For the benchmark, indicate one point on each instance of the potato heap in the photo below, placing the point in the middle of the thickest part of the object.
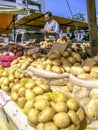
(46, 43)
(56, 62)
(55, 111)
(27, 89)
(24, 61)
(10, 77)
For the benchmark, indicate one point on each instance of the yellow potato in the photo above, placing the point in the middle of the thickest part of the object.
(32, 116)
(21, 101)
(76, 70)
(41, 104)
(56, 69)
(80, 113)
(50, 126)
(38, 90)
(59, 106)
(72, 104)
(40, 126)
(61, 120)
(46, 115)
(28, 105)
(70, 127)
(74, 117)
(29, 94)
(14, 96)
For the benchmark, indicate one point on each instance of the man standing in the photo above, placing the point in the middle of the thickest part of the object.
(51, 27)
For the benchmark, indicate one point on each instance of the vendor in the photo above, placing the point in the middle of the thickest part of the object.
(51, 27)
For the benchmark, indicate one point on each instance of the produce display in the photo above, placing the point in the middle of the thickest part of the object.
(71, 100)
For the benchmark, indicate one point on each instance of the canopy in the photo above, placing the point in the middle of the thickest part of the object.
(36, 21)
(7, 19)
(6, 23)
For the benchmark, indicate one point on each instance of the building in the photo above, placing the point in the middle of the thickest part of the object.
(33, 5)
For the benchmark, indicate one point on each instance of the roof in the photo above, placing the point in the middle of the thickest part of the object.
(36, 21)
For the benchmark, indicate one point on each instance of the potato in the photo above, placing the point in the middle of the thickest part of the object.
(50, 126)
(6, 81)
(11, 77)
(57, 62)
(45, 87)
(21, 101)
(41, 104)
(44, 97)
(71, 60)
(94, 93)
(48, 67)
(21, 91)
(93, 75)
(76, 70)
(66, 54)
(86, 69)
(72, 104)
(74, 117)
(38, 90)
(49, 62)
(17, 87)
(94, 69)
(46, 115)
(28, 105)
(56, 69)
(30, 84)
(59, 96)
(32, 116)
(17, 74)
(59, 106)
(14, 96)
(80, 113)
(84, 76)
(66, 68)
(29, 94)
(70, 127)
(92, 109)
(23, 66)
(76, 56)
(61, 120)
(40, 126)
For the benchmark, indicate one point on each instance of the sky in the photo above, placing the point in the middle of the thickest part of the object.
(68, 8)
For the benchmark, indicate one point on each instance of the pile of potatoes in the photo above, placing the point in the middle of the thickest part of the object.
(55, 111)
(10, 77)
(42, 106)
(46, 43)
(56, 62)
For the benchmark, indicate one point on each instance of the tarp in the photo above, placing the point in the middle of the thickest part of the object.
(7, 19)
(6, 23)
(36, 21)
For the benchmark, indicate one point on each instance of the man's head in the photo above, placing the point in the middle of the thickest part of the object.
(48, 16)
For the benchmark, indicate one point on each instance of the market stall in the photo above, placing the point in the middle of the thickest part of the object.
(36, 21)
(48, 86)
